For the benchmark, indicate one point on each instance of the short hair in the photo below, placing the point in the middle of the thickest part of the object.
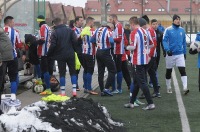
(113, 16)
(89, 19)
(153, 20)
(134, 20)
(57, 21)
(8, 19)
(71, 23)
(77, 18)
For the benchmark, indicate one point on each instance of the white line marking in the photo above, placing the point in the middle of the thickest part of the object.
(181, 107)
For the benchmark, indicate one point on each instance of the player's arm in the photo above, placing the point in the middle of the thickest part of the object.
(41, 41)
(133, 43)
(119, 34)
(166, 41)
(53, 43)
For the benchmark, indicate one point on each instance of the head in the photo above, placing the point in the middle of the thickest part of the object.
(57, 21)
(111, 26)
(71, 23)
(176, 20)
(90, 22)
(113, 19)
(142, 23)
(154, 24)
(159, 22)
(146, 18)
(133, 21)
(79, 21)
(127, 26)
(40, 18)
(9, 21)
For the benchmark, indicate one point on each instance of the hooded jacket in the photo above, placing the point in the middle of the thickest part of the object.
(6, 50)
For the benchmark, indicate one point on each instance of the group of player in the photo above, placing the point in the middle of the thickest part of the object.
(111, 45)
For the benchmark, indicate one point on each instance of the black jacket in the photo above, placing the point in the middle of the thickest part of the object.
(62, 43)
(31, 42)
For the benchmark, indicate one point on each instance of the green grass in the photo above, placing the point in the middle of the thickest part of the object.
(191, 101)
(165, 118)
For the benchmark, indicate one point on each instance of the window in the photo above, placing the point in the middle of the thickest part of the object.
(187, 9)
(175, 9)
(94, 10)
(161, 9)
(147, 10)
(120, 9)
(134, 10)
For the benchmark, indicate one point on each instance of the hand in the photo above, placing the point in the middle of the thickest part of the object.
(185, 56)
(169, 53)
(41, 42)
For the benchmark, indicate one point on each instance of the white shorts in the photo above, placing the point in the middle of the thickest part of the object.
(175, 60)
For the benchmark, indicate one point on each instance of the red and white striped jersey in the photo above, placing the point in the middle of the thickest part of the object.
(77, 31)
(88, 47)
(119, 39)
(141, 43)
(14, 37)
(152, 34)
(102, 36)
(44, 34)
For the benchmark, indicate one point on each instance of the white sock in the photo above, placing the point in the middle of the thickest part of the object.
(62, 89)
(184, 82)
(168, 83)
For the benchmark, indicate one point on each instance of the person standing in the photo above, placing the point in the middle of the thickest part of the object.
(160, 27)
(78, 46)
(61, 49)
(42, 49)
(7, 60)
(104, 41)
(174, 42)
(88, 55)
(16, 43)
(140, 44)
(118, 51)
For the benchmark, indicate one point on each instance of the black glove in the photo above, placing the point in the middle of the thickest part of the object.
(169, 53)
(41, 42)
(185, 56)
(193, 52)
(164, 54)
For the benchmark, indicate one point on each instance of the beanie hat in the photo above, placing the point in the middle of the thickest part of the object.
(146, 18)
(142, 22)
(40, 18)
(175, 17)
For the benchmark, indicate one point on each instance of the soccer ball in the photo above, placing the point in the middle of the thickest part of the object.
(28, 85)
(195, 46)
(38, 88)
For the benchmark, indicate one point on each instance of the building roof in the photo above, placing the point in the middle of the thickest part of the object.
(133, 7)
(57, 10)
(78, 11)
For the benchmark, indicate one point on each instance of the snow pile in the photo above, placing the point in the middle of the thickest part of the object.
(74, 115)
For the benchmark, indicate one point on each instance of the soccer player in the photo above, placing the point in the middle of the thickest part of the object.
(140, 44)
(88, 55)
(174, 42)
(118, 51)
(78, 46)
(42, 49)
(103, 39)
(61, 49)
(16, 43)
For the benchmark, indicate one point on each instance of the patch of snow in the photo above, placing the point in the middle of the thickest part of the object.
(71, 108)
(98, 127)
(77, 123)
(25, 120)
